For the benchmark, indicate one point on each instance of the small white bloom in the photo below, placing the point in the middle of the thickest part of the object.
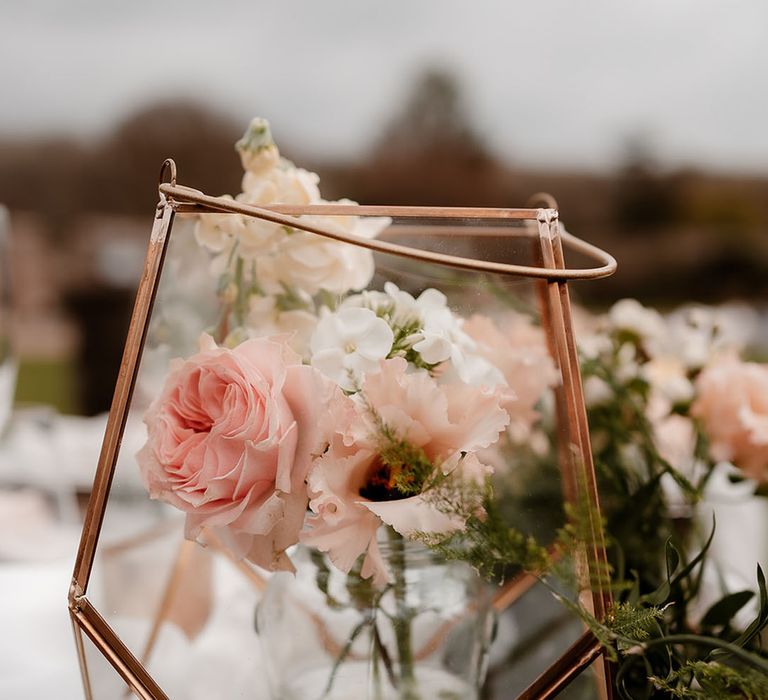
(219, 232)
(675, 439)
(594, 345)
(627, 366)
(257, 149)
(597, 391)
(631, 315)
(267, 319)
(667, 376)
(477, 370)
(348, 343)
(440, 336)
(697, 334)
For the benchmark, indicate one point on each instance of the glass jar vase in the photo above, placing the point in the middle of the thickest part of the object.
(327, 635)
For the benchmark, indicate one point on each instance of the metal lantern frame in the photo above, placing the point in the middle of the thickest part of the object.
(551, 276)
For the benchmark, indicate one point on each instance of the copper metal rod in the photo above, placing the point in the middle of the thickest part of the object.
(588, 466)
(581, 463)
(78, 632)
(560, 674)
(126, 380)
(181, 194)
(568, 485)
(115, 651)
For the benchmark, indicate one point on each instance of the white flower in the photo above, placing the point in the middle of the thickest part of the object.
(697, 334)
(441, 334)
(397, 306)
(310, 262)
(627, 365)
(667, 376)
(257, 149)
(284, 184)
(597, 392)
(219, 232)
(258, 238)
(267, 319)
(427, 326)
(348, 343)
(631, 315)
(675, 439)
(594, 345)
(285, 256)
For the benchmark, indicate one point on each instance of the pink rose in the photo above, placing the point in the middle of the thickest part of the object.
(349, 496)
(519, 350)
(231, 439)
(732, 403)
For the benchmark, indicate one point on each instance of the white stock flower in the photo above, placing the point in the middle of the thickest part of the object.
(284, 184)
(627, 365)
(630, 315)
(288, 256)
(441, 334)
(697, 334)
(597, 392)
(309, 262)
(219, 232)
(427, 326)
(348, 343)
(267, 319)
(594, 345)
(257, 149)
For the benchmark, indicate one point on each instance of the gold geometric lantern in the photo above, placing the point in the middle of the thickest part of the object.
(494, 250)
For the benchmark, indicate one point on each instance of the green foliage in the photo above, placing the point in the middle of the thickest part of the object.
(490, 547)
(626, 620)
(52, 382)
(713, 680)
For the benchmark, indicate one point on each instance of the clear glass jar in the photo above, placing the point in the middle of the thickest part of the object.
(327, 635)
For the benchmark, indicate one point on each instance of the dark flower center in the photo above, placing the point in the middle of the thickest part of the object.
(385, 482)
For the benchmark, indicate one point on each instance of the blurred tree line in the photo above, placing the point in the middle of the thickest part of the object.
(679, 235)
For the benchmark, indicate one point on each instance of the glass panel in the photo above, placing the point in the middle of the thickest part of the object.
(188, 612)
(586, 686)
(104, 680)
(532, 635)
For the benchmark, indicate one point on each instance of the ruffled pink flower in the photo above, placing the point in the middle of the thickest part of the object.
(231, 439)
(447, 422)
(732, 403)
(518, 349)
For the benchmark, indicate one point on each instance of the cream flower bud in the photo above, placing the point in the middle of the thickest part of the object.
(257, 150)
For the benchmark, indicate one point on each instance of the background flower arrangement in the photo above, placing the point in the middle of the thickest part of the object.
(678, 422)
(320, 411)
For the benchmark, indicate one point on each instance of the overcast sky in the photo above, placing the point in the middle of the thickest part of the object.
(555, 81)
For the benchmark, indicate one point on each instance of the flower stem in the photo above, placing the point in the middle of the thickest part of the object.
(402, 619)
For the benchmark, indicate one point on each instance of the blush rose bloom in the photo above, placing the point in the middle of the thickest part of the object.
(732, 403)
(447, 422)
(231, 439)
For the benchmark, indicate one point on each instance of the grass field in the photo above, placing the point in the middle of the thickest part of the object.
(52, 382)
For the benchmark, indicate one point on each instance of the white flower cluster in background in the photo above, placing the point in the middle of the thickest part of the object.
(671, 366)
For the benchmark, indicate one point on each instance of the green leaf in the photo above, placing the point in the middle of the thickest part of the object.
(698, 558)
(722, 612)
(634, 594)
(761, 621)
(673, 559)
